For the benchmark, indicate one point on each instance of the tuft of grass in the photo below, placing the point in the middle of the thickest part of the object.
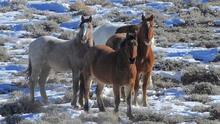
(215, 111)
(198, 98)
(67, 35)
(59, 18)
(171, 65)
(108, 117)
(22, 105)
(200, 108)
(4, 56)
(78, 5)
(201, 74)
(87, 11)
(104, 3)
(162, 82)
(42, 28)
(205, 88)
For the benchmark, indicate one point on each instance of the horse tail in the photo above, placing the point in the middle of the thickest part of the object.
(29, 69)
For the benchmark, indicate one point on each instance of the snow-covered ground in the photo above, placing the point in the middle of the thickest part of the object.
(18, 50)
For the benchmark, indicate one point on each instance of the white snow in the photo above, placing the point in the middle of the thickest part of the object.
(171, 102)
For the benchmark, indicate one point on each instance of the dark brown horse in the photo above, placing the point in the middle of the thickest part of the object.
(111, 67)
(145, 57)
(47, 52)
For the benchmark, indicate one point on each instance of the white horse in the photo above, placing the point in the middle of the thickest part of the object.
(47, 52)
(103, 32)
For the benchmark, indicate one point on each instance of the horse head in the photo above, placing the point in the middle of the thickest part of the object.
(146, 29)
(130, 45)
(86, 30)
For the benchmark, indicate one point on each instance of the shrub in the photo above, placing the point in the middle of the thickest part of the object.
(107, 117)
(78, 5)
(162, 82)
(5, 27)
(67, 35)
(116, 16)
(4, 39)
(201, 74)
(4, 56)
(200, 108)
(205, 88)
(42, 28)
(59, 18)
(143, 115)
(104, 3)
(215, 111)
(13, 119)
(22, 105)
(199, 98)
(87, 11)
(171, 65)
(56, 117)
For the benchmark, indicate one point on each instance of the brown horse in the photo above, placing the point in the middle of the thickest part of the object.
(47, 52)
(145, 57)
(111, 67)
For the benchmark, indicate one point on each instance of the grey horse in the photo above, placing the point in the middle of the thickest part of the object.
(47, 52)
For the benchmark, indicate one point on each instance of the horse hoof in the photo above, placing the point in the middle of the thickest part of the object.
(135, 103)
(86, 108)
(102, 110)
(145, 104)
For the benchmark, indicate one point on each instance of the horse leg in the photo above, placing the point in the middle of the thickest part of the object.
(87, 81)
(136, 88)
(99, 90)
(32, 82)
(116, 89)
(75, 75)
(81, 90)
(128, 91)
(146, 79)
(42, 81)
(123, 94)
(150, 84)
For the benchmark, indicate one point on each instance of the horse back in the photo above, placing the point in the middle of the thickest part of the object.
(126, 28)
(115, 40)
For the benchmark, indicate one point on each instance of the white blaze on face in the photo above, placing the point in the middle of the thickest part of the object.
(84, 31)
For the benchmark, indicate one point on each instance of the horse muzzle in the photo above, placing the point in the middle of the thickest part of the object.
(132, 60)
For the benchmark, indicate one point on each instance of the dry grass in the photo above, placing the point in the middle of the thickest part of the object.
(200, 108)
(104, 3)
(42, 28)
(14, 5)
(4, 56)
(162, 82)
(5, 27)
(171, 65)
(215, 111)
(201, 74)
(59, 18)
(205, 88)
(82, 8)
(22, 105)
(198, 98)
(116, 16)
(67, 35)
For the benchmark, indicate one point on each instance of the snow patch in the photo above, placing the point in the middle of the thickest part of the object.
(51, 6)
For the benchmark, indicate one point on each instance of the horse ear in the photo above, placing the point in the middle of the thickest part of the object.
(143, 17)
(151, 18)
(82, 18)
(90, 18)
